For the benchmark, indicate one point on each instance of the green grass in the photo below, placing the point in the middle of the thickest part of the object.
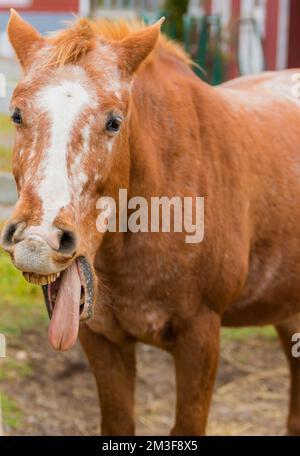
(5, 159)
(242, 334)
(6, 126)
(21, 308)
(12, 415)
(6, 132)
(21, 304)
(11, 369)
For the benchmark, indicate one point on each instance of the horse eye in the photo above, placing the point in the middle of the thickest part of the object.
(113, 125)
(17, 116)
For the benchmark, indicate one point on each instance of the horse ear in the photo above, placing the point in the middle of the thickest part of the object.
(135, 48)
(23, 37)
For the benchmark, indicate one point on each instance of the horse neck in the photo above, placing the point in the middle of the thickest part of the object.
(170, 129)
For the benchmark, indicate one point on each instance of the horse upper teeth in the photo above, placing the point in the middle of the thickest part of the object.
(40, 280)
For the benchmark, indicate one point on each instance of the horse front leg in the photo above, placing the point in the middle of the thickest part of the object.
(196, 356)
(114, 368)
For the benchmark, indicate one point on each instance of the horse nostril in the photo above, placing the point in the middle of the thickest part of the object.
(67, 243)
(8, 235)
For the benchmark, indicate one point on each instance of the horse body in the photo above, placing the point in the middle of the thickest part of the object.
(271, 290)
(236, 145)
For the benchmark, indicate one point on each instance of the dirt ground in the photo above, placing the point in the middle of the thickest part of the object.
(59, 396)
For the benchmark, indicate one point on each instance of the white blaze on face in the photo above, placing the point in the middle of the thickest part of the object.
(63, 103)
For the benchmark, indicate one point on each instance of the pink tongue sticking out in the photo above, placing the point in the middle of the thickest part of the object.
(64, 325)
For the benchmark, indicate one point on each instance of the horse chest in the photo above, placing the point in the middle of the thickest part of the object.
(143, 308)
(144, 320)
(138, 302)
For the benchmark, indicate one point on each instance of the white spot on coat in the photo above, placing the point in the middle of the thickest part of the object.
(110, 144)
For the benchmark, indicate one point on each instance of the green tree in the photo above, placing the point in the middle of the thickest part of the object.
(177, 8)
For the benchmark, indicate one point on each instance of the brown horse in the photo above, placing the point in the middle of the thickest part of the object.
(108, 106)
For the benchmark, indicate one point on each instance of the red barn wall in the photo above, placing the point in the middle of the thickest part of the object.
(294, 35)
(57, 6)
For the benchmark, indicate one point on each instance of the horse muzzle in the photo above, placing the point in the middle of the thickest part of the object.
(66, 277)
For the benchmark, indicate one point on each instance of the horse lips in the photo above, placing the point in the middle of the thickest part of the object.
(64, 325)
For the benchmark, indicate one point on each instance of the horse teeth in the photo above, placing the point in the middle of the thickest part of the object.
(44, 281)
(28, 277)
(51, 278)
(40, 280)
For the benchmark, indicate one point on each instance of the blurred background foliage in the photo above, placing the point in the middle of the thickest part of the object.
(177, 9)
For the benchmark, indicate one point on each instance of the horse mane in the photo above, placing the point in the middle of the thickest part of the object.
(69, 46)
